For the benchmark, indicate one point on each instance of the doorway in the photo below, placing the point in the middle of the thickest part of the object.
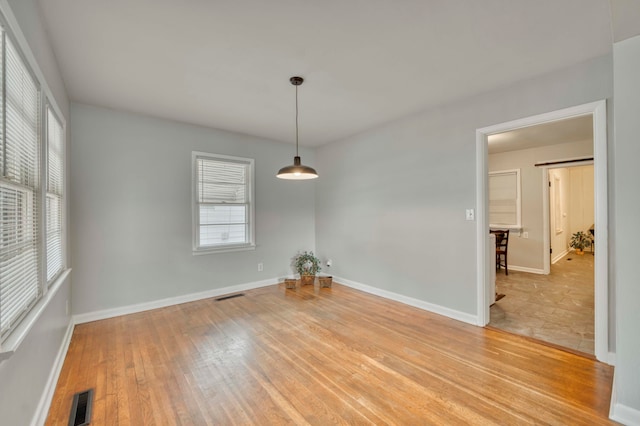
(597, 111)
(555, 306)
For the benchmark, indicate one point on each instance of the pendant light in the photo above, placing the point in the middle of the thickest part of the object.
(297, 171)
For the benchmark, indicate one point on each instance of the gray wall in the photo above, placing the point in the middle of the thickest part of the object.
(528, 253)
(627, 205)
(131, 210)
(24, 376)
(390, 207)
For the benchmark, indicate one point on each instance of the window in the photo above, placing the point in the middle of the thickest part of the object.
(223, 203)
(31, 189)
(504, 199)
(55, 185)
(20, 280)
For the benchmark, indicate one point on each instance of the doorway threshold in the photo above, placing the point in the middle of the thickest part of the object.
(543, 342)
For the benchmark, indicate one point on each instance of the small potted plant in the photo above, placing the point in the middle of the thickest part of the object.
(307, 265)
(579, 241)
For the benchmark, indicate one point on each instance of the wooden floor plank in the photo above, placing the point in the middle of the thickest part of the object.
(321, 356)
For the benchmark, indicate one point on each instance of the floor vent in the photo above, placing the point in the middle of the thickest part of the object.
(229, 297)
(81, 408)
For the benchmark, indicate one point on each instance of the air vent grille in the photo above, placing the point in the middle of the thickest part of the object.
(229, 297)
(81, 408)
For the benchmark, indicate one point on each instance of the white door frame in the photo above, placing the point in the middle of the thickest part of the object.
(599, 112)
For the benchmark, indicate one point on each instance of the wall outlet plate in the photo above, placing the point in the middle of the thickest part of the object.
(470, 214)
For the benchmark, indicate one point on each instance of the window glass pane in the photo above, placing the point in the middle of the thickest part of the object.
(221, 214)
(222, 234)
(219, 193)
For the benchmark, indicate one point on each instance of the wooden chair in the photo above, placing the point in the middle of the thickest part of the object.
(502, 245)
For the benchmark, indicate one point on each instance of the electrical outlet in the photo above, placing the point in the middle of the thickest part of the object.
(525, 235)
(260, 267)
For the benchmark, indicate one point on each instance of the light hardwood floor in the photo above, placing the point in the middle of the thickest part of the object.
(321, 356)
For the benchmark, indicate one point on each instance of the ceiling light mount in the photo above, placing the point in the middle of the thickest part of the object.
(297, 171)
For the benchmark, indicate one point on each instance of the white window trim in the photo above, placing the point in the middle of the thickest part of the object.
(518, 225)
(195, 219)
(9, 345)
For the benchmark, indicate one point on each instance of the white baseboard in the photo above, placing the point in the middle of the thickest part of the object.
(155, 304)
(525, 269)
(42, 410)
(621, 413)
(436, 309)
(559, 256)
(625, 415)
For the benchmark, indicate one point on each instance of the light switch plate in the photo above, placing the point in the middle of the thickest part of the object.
(471, 214)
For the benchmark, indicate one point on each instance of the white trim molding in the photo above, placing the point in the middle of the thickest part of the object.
(17, 336)
(155, 304)
(42, 410)
(526, 269)
(417, 303)
(598, 110)
(620, 412)
(558, 257)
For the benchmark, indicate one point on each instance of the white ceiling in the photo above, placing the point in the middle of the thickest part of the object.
(575, 129)
(226, 63)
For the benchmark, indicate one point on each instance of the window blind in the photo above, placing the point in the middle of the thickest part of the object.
(55, 185)
(19, 233)
(223, 201)
(504, 198)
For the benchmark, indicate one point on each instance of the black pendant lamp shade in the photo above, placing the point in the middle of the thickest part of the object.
(297, 171)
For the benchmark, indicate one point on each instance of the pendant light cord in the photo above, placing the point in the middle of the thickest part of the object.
(296, 121)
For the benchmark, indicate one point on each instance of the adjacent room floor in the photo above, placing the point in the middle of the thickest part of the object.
(557, 308)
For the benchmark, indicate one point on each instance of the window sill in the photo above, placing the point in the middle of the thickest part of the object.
(225, 249)
(9, 346)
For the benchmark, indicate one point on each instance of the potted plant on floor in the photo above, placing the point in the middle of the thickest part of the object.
(307, 265)
(579, 241)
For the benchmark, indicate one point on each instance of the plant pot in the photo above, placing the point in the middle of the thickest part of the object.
(290, 282)
(579, 251)
(325, 281)
(307, 280)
